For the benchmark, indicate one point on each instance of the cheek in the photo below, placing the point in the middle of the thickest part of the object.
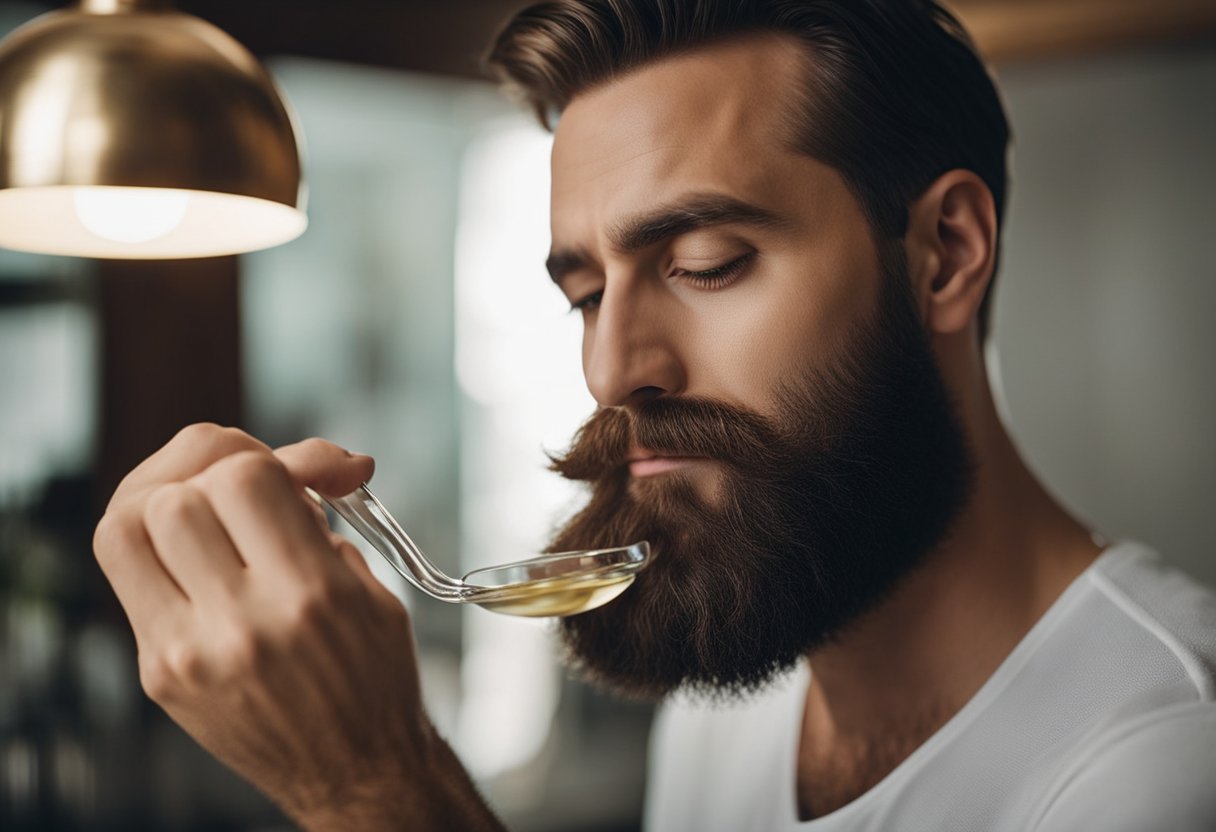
(743, 345)
(751, 340)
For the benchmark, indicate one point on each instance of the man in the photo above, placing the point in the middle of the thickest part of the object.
(780, 223)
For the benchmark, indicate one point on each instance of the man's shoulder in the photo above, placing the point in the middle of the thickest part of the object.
(1166, 604)
(1152, 772)
(1147, 761)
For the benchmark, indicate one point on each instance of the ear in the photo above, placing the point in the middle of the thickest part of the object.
(951, 246)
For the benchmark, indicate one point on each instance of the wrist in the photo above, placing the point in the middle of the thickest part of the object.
(436, 793)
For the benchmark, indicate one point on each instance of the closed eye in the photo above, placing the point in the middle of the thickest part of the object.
(588, 302)
(714, 278)
(718, 276)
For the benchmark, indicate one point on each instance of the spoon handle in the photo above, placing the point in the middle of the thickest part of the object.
(372, 521)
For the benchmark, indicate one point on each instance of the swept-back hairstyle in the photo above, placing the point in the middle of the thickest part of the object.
(894, 96)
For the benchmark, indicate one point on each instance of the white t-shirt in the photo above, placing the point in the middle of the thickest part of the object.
(1102, 718)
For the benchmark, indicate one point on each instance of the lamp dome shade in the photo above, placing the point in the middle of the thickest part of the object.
(133, 131)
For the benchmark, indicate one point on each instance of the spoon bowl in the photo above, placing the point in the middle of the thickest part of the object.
(556, 585)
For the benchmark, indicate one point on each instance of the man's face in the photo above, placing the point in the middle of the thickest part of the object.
(772, 418)
(713, 124)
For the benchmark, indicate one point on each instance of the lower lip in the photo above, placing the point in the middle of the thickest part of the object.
(658, 465)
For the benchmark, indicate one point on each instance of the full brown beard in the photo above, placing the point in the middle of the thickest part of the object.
(822, 510)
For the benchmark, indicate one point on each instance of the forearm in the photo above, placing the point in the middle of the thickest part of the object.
(445, 799)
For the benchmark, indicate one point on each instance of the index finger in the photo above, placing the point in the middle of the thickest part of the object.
(325, 467)
(191, 451)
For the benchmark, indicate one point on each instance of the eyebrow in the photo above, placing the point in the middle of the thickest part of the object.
(689, 214)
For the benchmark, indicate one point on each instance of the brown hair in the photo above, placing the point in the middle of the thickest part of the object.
(897, 95)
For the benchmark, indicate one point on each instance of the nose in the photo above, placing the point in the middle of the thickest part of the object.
(630, 350)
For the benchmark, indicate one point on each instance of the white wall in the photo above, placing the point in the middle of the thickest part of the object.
(1106, 301)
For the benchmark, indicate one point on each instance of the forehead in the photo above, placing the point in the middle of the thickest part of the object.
(715, 119)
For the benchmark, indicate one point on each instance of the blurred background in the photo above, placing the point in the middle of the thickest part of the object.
(414, 321)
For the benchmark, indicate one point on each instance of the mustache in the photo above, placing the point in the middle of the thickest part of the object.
(670, 426)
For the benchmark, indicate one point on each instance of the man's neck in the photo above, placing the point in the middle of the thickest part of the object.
(901, 671)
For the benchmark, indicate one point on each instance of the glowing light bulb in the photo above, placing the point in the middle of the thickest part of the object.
(130, 215)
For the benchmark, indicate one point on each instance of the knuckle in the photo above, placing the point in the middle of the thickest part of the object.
(317, 445)
(249, 470)
(185, 664)
(115, 534)
(198, 433)
(232, 655)
(215, 440)
(104, 535)
(173, 503)
(155, 677)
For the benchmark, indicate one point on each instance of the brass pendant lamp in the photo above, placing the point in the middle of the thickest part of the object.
(130, 130)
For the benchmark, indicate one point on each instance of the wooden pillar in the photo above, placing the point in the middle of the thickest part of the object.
(170, 355)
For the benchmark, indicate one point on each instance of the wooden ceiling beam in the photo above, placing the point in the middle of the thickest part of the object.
(448, 37)
(1009, 31)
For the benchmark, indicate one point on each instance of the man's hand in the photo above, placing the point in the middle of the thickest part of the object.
(266, 637)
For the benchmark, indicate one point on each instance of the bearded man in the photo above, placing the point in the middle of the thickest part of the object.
(780, 223)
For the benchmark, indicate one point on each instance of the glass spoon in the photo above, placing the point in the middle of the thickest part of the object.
(551, 585)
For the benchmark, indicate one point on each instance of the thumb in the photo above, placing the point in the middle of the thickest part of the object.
(325, 467)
